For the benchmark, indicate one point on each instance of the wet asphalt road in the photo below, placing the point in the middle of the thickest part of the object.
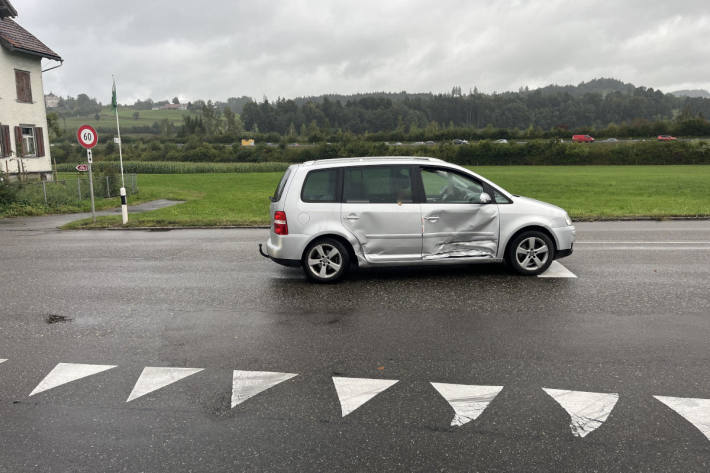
(636, 322)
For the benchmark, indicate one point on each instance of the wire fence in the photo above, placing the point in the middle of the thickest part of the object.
(74, 190)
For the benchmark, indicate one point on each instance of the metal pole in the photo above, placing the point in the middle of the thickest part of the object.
(44, 189)
(124, 203)
(120, 151)
(108, 188)
(91, 185)
(78, 186)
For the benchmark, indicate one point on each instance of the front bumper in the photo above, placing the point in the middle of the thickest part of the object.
(565, 237)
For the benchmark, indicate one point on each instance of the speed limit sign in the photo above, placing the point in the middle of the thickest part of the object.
(87, 136)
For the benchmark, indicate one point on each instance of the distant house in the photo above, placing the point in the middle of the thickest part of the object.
(172, 106)
(24, 141)
(51, 101)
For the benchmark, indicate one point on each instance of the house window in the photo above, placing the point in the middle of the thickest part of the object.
(28, 142)
(24, 87)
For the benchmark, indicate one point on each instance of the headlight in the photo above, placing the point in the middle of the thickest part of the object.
(568, 220)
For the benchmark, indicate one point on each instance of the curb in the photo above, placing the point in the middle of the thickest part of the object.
(167, 229)
(638, 219)
(246, 227)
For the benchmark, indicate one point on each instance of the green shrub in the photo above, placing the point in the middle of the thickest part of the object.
(8, 192)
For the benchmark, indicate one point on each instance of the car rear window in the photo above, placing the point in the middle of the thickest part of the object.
(282, 184)
(377, 184)
(320, 186)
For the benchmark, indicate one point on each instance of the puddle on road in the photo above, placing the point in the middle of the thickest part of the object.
(57, 319)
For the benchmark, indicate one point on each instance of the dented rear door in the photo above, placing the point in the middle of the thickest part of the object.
(455, 222)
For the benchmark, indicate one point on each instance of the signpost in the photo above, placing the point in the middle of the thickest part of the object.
(88, 138)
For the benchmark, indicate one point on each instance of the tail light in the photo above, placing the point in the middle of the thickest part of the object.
(280, 224)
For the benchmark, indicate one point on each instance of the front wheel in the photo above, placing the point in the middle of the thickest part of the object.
(530, 253)
(326, 260)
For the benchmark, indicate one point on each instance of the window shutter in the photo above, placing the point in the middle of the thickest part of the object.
(4, 141)
(39, 140)
(28, 87)
(20, 85)
(24, 88)
(19, 146)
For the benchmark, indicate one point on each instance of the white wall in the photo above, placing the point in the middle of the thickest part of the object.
(14, 113)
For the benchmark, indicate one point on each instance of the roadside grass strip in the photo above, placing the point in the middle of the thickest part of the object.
(241, 198)
(588, 411)
(556, 270)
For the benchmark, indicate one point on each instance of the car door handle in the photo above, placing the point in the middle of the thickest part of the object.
(352, 217)
(432, 218)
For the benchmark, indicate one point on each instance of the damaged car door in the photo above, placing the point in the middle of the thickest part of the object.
(459, 218)
(379, 209)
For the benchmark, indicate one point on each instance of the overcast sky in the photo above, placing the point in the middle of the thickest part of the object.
(215, 49)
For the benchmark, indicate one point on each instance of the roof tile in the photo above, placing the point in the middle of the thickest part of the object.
(13, 36)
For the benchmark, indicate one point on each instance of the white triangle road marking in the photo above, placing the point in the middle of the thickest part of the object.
(354, 392)
(153, 378)
(556, 270)
(3, 360)
(588, 411)
(468, 401)
(694, 410)
(66, 372)
(246, 384)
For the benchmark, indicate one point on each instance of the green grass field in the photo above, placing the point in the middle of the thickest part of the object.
(125, 115)
(586, 192)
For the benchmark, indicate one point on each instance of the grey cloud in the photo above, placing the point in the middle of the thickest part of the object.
(223, 48)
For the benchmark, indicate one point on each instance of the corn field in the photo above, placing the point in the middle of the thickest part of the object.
(166, 167)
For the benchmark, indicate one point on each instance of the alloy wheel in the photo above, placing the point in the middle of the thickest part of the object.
(324, 260)
(532, 253)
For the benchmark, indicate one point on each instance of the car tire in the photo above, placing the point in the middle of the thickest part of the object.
(530, 253)
(326, 260)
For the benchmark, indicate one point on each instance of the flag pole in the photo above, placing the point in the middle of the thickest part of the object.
(124, 203)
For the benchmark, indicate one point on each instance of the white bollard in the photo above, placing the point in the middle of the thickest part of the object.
(124, 206)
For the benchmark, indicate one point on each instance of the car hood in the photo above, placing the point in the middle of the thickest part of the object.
(539, 205)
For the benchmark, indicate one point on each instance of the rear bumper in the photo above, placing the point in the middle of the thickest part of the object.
(281, 261)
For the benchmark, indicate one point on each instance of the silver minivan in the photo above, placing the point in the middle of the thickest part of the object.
(331, 215)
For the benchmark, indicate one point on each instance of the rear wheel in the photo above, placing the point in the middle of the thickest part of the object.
(530, 253)
(326, 260)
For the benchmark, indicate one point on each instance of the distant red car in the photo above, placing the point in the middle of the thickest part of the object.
(582, 139)
(666, 138)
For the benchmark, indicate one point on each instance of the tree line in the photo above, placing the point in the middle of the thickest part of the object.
(592, 105)
(602, 107)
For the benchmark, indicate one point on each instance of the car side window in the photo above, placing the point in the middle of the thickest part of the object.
(500, 198)
(320, 186)
(282, 184)
(442, 186)
(377, 185)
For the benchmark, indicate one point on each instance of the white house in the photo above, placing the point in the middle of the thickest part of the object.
(24, 141)
(51, 100)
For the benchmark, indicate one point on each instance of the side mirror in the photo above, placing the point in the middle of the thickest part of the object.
(485, 198)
